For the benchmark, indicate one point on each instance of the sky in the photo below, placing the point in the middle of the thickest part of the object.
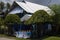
(41, 2)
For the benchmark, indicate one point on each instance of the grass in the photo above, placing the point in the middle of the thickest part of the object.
(6, 36)
(52, 38)
(48, 38)
(21, 39)
(25, 39)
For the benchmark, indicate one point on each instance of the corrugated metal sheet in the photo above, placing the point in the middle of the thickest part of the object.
(32, 7)
(26, 17)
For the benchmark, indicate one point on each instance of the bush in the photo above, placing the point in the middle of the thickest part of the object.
(12, 18)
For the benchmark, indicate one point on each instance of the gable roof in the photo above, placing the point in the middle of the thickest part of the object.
(32, 7)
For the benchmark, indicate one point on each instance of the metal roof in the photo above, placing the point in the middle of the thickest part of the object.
(32, 7)
(26, 17)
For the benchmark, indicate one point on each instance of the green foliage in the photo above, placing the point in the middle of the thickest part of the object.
(12, 18)
(57, 18)
(22, 39)
(56, 9)
(39, 16)
(8, 6)
(2, 5)
(52, 38)
(1, 21)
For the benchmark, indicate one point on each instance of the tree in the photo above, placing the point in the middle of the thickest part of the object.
(2, 5)
(1, 21)
(39, 17)
(2, 27)
(37, 20)
(7, 9)
(56, 9)
(8, 6)
(10, 20)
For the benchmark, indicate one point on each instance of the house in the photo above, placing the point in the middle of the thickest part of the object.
(25, 10)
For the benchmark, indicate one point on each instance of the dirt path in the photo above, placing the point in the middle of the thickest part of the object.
(3, 38)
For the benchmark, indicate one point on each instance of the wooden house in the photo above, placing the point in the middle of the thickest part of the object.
(25, 10)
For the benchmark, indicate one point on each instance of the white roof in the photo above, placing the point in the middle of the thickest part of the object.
(32, 7)
(26, 17)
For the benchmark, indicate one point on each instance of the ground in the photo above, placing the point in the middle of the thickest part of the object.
(52, 38)
(47, 38)
(4, 38)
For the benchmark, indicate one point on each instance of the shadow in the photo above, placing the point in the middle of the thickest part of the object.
(46, 36)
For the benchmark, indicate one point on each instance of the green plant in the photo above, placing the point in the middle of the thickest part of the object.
(12, 18)
(39, 16)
